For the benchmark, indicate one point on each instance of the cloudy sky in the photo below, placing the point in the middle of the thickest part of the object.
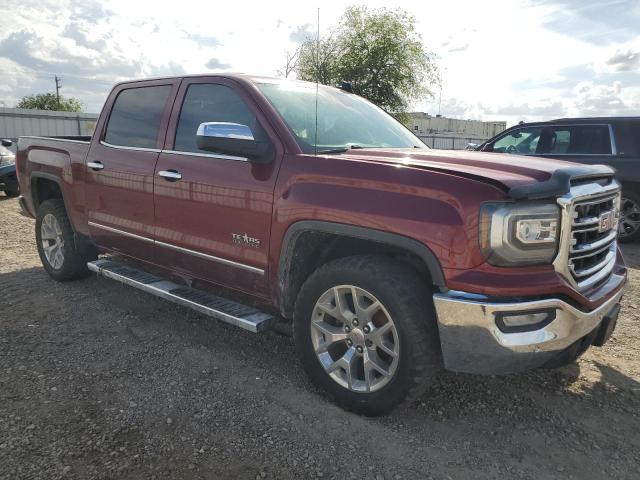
(501, 60)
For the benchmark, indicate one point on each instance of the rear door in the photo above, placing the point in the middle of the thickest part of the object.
(121, 164)
(213, 211)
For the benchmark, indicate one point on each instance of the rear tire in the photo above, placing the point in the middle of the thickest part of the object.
(56, 245)
(362, 369)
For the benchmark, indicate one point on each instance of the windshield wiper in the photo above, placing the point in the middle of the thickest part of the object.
(341, 149)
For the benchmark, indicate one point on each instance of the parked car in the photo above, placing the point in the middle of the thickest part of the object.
(613, 141)
(391, 260)
(8, 179)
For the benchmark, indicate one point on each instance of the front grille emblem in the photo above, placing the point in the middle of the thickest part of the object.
(607, 220)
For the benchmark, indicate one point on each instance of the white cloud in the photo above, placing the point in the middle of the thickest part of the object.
(216, 64)
(624, 61)
(500, 60)
(602, 100)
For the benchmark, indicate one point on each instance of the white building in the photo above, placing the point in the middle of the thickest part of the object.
(452, 133)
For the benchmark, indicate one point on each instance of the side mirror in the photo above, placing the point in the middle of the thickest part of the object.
(233, 139)
(6, 142)
(472, 146)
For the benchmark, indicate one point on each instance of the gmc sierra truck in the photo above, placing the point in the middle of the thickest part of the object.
(391, 260)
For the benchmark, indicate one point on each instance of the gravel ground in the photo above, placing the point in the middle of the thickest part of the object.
(100, 381)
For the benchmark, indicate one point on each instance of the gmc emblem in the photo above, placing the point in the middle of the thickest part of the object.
(607, 221)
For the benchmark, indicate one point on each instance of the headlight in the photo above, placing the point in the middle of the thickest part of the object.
(7, 160)
(522, 233)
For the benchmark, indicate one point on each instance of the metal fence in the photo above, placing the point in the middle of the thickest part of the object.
(16, 122)
(449, 143)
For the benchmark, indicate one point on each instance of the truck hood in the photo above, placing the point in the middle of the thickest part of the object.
(509, 170)
(521, 176)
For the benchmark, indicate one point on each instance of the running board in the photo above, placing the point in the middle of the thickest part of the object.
(242, 316)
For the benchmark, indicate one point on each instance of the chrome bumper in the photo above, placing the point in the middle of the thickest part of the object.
(472, 342)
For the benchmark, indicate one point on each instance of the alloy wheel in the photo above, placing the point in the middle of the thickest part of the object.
(52, 241)
(629, 218)
(355, 338)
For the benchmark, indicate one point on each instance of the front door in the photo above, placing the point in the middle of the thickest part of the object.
(213, 211)
(121, 164)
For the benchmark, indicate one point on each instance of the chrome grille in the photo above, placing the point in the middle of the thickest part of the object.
(592, 248)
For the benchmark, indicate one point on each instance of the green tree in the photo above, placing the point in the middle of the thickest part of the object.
(49, 101)
(319, 60)
(379, 52)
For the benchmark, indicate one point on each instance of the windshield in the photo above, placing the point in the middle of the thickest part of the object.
(345, 120)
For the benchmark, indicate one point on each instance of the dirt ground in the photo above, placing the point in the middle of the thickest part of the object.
(100, 381)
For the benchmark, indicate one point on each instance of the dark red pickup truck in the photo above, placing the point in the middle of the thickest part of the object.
(391, 260)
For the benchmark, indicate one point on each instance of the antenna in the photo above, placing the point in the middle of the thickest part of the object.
(315, 143)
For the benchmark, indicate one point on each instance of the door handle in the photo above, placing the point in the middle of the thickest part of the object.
(170, 175)
(97, 165)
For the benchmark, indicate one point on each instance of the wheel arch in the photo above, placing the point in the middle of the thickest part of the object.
(308, 244)
(45, 186)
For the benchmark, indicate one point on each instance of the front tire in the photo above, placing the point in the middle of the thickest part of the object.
(366, 333)
(56, 246)
(629, 226)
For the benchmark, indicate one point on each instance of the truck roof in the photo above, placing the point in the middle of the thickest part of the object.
(233, 75)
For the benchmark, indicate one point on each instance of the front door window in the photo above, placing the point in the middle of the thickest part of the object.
(523, 141)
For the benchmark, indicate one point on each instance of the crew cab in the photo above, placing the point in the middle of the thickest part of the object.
(612, 141)
(253, 199)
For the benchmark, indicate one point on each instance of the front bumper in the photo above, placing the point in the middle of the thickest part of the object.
(472, 342)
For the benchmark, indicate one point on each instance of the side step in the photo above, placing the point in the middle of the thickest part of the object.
(228, 311)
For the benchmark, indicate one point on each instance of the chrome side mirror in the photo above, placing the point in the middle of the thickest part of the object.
(233, 139)
(225, 130)
(472, 146)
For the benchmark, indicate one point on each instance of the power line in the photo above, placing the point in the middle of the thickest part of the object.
(44, 74)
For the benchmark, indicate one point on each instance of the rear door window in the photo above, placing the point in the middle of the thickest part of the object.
(576, 140)
(136, 115)
(628, 138)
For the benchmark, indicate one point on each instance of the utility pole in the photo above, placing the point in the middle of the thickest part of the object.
(58, 86)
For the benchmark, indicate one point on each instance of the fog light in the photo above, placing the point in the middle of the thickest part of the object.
(524, 321)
